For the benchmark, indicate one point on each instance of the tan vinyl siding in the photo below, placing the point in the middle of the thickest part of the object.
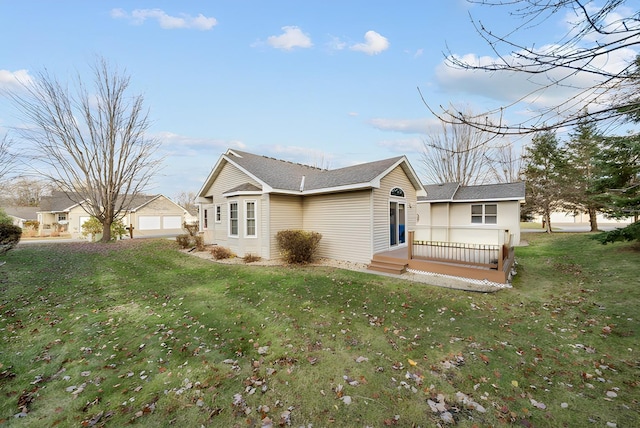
(344, 220)
(381, 198)
(285, 212)
(229, 177)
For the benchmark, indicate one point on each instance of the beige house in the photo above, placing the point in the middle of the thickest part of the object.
(150, 215)
(482, 214)
(376, 213)
(359, 210)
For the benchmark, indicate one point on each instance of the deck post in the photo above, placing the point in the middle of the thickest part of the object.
(501, 255)
(410, 249)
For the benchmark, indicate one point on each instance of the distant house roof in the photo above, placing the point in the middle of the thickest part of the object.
(275, 175)
(454, 192)
(57, 202)
(61, 202)
(23, 213)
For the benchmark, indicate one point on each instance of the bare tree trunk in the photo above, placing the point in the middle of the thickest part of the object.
(547, 220)
(593, 220)
(106, 230)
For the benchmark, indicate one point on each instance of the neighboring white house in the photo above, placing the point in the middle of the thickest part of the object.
(481, 214)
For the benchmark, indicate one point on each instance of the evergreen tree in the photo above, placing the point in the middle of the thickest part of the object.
(619, 183)
(545, 172)
(582, 171)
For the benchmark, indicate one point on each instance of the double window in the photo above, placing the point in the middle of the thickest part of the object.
(250, 219)
(484, 214)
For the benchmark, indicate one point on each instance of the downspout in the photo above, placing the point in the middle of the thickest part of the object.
(302, 184)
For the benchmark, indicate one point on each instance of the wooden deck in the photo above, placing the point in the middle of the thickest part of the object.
(397, 261)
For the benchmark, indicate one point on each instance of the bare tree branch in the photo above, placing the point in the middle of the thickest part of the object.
(91, 144)
(8, 159)
(594, 35)
(461, 154)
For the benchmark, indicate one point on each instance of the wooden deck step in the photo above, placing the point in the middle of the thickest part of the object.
(394, 267)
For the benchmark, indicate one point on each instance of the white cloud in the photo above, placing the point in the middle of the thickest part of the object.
(293, 37)
(167, 22)
(406, 126)
(303, 155)
(373, 44)
(335, 44)
(182, 145)
(12, 80)
(403, 146)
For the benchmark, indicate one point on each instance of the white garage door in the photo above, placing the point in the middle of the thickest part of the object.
(149, 222)
(172, 222)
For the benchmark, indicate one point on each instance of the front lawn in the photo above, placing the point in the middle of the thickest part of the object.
(139, 333)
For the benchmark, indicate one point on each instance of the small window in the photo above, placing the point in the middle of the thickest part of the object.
(205, 219)
(233, 219)
(484, 214)
(218, 213)
(491, 214)
(250, 216)
(62, 217)
(396, 191)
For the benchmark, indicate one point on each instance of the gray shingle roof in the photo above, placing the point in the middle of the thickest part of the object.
(24, 213)
(484, 192)
(57, 202)
(287, 176)
(61, 202)
(439, 192)
(246, 187)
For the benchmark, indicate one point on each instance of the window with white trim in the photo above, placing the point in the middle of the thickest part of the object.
(233, 219)
(205, 218)
(218, 213)
(484, 214)
(250, 218)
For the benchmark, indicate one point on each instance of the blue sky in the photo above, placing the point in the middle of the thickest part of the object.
(323, 82)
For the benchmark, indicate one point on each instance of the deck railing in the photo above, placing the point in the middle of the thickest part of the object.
(481, 255)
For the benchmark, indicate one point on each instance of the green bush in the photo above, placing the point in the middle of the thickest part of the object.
(629, 233)
(298, 246)
(94, 227)
(4, 217)
(9, 236)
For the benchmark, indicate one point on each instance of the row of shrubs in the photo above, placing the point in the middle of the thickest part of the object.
(295, 246)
